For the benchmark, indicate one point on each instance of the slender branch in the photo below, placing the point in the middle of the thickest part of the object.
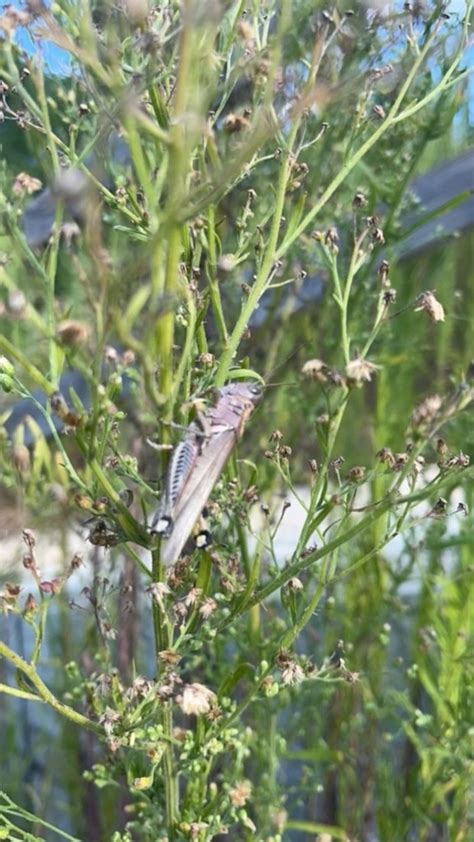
(44, 693)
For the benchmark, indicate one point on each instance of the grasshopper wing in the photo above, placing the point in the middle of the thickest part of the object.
(207, 470)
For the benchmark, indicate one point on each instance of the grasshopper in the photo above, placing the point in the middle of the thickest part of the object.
(197, 464)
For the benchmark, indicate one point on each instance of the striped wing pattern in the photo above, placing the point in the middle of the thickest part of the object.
(186, 500)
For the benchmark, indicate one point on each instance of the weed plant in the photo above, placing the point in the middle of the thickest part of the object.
(203, 163)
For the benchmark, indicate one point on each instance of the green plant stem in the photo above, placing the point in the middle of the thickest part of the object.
(44, 693)
(178, 165)
(11, 809)
(38, 378)
(263, 274)
(272, 252)
(170, 776)
(163, 641)
(20, 694)
(214, 291)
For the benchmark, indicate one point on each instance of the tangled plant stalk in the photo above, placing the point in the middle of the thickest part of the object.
(184, 160)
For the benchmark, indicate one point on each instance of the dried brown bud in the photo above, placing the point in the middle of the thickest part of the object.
(461, 460)
(30, 604)
(235, 123)
(21, 458)
(285, 451)
(383, 269)
(76, 562)
(331, 239)
(439, 509)
(29, 538)
(313, 466)
(53, 586)
(442, 448)
(378, 112)
(276, 436)
(389, 296)
(400, 460)
(377, 236)
(357, 473)
(73, 333)
(359, 200)
(168, 656)
(386, 456)
(58, 404)
(206, 359)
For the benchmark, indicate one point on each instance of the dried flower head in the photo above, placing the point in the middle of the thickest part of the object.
(234, 123)
(73, 333)
(207, 608)
(292, 674)
(357, 473)
(207, 360)
(386, 456)
(429, 303)
(240, 793)
(26, 184)
(159, 590)
(426, 411)
(389, 295)
(359, 370)
(196, 699)
(460, 460)
(315, 370)
(168, 656)
(192, 597)
(30, 605)
(359, 200)
(331, 239)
